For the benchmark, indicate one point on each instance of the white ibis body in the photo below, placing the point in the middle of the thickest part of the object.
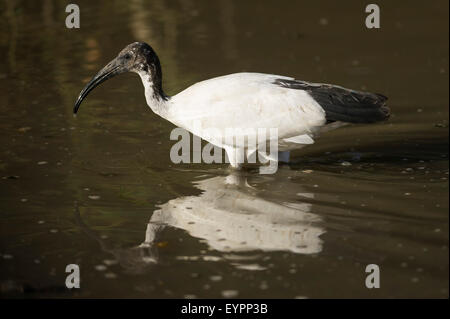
(245, 102)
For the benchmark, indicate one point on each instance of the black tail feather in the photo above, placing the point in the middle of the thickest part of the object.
(351, 106)
(341, 104)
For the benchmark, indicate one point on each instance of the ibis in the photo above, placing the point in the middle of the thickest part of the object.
(298, 110)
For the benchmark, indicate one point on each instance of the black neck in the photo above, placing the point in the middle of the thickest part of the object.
(153, 69)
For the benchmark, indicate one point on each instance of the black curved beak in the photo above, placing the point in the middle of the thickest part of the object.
(112, 69)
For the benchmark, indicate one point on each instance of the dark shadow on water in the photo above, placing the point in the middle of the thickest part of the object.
(391, 152)
(135, 259)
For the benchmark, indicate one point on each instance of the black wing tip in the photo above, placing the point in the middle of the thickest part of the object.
(382, 97)
(341, 104)
(381, 114)
(385, 112)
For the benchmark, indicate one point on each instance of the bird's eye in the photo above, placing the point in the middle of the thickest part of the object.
(127, 56)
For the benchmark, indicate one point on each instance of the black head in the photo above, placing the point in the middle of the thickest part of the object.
(137, 57)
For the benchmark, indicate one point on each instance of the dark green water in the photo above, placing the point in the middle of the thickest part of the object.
(100, 191)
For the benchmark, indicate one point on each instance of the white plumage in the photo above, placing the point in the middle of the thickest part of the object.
(246, 101)
(242, 101)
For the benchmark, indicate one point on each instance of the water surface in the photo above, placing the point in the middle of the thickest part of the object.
(100, 191)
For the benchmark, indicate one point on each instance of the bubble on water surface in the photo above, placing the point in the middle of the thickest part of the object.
(230, 293)
(100, 267)
(110, 275)
(263, 285)
(323, 21)
(211, 258)
(215, 278)
(110, 262)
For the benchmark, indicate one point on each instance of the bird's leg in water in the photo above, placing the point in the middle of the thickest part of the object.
(235, 157)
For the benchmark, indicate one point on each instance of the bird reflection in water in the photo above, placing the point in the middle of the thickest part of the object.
(231, 217)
